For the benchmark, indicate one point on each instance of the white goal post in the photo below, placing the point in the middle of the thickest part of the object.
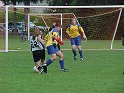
(42, 14)
(112, 6)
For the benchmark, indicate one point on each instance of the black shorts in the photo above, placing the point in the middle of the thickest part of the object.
(38, 55)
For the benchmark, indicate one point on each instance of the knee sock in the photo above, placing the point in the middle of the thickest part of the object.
(80, 53)
(49, 61)
(61, 62)
(74, 52)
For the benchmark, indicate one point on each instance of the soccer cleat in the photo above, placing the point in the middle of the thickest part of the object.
(35, 69)
(64, 70)
(41, 71)
(75, 58)
(81, 59)
(45, 68)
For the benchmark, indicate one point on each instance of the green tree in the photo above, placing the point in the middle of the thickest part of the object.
(7, 2)
(85, 2)
(27, 10)
(14, 15)
(59, 2)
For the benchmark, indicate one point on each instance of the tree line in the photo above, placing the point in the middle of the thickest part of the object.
(84, 2)
(57, 3)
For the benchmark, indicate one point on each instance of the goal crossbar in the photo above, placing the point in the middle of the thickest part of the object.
(49, 13)
(107, 6)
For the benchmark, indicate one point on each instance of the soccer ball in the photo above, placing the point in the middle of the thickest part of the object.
(35, 69)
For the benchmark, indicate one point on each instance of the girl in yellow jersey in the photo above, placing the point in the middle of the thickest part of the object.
(52, 39)
(73, 31)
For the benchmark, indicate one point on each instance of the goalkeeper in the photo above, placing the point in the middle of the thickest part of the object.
(73, 31)
(52, 39)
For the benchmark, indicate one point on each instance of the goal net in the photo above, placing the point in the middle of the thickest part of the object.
(103, 26)
(47, 20)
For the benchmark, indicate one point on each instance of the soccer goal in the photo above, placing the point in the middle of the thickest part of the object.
(103, 25)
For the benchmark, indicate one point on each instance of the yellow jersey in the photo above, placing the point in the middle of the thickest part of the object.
(49, 38)
(74, 30)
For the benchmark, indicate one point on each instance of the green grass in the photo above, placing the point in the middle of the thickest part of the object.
(91, 44)
(2, 42)
(15, 43)
(100, 72)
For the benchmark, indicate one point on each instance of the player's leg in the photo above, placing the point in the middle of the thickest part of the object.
(74, 51)
(73, 48)
(58, 46)
(43, 62)
(37, 58)
(25, 36)
(80, 52)
(37, 67)
(50, 60)
(61, 61)
(22, 36)
(51, 51)
(44, 65)
(78, 44)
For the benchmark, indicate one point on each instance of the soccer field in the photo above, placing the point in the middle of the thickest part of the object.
(100, 72)
(16, 44)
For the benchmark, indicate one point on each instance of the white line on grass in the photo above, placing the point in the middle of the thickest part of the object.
(66, 50)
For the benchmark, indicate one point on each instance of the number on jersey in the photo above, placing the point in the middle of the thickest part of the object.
(34, 44)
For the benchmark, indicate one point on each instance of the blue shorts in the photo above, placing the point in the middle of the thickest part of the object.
(52, 49)
(76, 41)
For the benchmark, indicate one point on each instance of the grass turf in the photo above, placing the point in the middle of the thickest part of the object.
(100, 72)
(16, 44)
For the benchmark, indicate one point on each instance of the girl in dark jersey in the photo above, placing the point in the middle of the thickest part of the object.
(38, 51)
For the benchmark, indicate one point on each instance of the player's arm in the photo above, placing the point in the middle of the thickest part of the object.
(82, 31)
(56, 37)
(84, 36)
(67, 31)
(41, 40)
(46, 37)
